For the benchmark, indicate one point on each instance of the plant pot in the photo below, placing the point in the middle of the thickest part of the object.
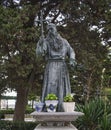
(51, 105)
(39, 106)
(69, 106)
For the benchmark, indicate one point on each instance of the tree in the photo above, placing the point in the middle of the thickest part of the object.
(89, 18)
(18, 42)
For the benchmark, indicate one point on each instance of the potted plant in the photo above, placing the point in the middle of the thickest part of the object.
(38, 105)
(69, 104)
(51, 101)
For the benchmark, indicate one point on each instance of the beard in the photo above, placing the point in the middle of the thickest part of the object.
(55, 42)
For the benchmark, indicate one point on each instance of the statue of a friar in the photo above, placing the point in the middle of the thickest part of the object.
(56, 76)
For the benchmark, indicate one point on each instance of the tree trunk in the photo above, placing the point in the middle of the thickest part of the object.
(0, 103)
(89, 86)
(21, 103)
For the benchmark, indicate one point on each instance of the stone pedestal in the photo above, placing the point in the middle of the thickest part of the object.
(71, 127)
(56, 120)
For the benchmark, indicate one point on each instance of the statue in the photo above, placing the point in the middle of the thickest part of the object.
(56, 76)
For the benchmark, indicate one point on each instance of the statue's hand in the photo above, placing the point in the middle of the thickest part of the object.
(73, 63)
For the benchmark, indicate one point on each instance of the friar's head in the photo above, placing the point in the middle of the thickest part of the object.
(52, 30)
(54, 38)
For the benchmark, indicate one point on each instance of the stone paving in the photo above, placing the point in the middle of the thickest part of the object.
(26, 119)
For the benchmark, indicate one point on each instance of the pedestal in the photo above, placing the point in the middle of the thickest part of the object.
(56, 120)
(71, 127)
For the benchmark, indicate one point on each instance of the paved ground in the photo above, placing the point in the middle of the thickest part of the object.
(26, 119)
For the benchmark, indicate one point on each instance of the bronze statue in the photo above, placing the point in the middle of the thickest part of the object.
(56, 76)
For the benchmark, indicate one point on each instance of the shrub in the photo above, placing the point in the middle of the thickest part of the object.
(2, 116)
(8, 111)
(94, 113)
(23, 126)
(11, 111)
(5, 125)
(8, 125)
(105, 122)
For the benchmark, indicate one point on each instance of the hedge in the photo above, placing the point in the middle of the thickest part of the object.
(11, 111)
(9, 125)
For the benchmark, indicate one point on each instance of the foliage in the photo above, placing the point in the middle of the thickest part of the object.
(8, 97)
(107, 92)
(8, 111)
(32, 96)
(90, 52)
(8, 125)
(68, 98)
(2, 116)
(51, 96)
(107, 71)
(95, 113)
(105, 123)
(18, 43)
(5, 125)
(11, 111)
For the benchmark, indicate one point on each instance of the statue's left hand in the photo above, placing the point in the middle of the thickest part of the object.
(73, 63)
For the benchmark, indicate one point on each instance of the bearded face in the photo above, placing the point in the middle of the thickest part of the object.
(54, 39)
(52, 31)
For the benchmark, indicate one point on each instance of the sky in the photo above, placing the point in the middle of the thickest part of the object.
(13, 93)
(10, 102)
